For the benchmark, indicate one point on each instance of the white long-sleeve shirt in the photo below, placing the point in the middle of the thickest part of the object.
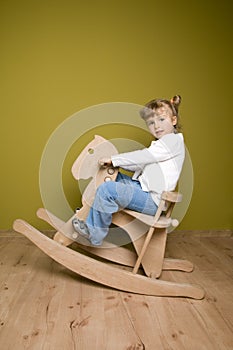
(157, 167)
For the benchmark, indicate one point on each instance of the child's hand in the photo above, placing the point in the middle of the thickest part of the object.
(104, 162)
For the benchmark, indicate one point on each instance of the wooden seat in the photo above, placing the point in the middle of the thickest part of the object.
(163, 221)
(148, 235)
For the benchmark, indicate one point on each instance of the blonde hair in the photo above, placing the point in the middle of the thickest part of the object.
(153, 105)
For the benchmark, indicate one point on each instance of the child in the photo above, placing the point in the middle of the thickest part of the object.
(156, 169)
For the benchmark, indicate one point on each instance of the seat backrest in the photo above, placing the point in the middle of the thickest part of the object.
(166, 205)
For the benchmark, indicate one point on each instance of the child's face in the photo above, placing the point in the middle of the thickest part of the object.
(161, 123)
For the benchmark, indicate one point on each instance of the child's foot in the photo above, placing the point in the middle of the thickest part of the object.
(81, 227)
(83, 236)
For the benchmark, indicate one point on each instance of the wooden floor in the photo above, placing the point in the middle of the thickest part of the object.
(45, 306)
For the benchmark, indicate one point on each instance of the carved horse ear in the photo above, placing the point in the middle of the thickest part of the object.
(86, 165)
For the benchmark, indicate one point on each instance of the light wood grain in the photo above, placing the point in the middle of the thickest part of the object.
(45, 306)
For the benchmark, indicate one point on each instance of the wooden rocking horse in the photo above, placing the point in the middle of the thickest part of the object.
(147, 233)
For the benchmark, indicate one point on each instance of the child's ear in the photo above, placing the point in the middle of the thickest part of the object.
(174, 120)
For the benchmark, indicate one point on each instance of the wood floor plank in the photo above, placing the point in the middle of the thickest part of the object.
(181, 329)
(143, 314)
(214, 273)
(222, 249)
(87, 323)
(120, 333)
(15, 275)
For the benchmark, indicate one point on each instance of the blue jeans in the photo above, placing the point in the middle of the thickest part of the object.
(112, 196)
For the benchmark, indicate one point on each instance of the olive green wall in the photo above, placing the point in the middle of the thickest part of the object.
(58, 57)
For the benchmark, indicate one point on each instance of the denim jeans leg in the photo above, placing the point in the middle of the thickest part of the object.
(111, 197)
(100, 215)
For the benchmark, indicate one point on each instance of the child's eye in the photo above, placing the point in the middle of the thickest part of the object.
(162, 119)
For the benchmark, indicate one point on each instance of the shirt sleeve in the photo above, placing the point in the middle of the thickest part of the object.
(133, 161)
(161, 150)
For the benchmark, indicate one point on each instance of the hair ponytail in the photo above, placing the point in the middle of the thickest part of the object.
(175, 102)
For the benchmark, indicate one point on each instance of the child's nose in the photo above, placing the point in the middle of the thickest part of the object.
(156, 124)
